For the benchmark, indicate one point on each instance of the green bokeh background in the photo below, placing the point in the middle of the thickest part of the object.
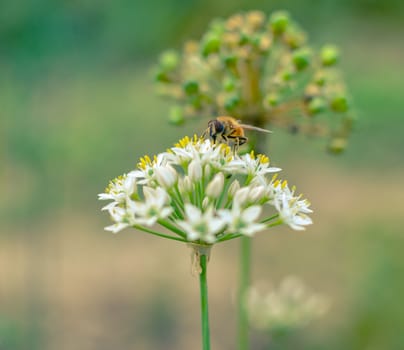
(78, 107)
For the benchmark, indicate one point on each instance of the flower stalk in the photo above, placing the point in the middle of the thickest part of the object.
(244, 283)
(203, 284)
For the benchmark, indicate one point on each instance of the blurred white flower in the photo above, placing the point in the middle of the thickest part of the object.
(292, 305)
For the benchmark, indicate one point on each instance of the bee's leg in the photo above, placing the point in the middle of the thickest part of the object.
(242, 140)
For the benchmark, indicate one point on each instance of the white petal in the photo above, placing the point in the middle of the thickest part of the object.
(193, 213)
(109, 206)
(216, 224)
(116, 227)
(105, 196)
(252, 213)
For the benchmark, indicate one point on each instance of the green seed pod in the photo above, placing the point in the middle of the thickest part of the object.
(301, 58)
(217, 26)
(176, 116)
(272, 99)
(191, 87)
(316, 105)
(161, 77)
(329, 55)
(230, 61)
(229, 84)
(169, 60)
(255, 19)
(339, 104)
(210, 44)
(337, 145)
(286, 75)
(231, 103)
(294, 37)
(279, 21)
(320, 78)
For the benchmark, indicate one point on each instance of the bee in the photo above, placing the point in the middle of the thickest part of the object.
(229, 130)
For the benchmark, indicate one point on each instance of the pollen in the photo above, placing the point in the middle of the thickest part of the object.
(284, 184)
(263, 159)
(144, 162)
(183, 142)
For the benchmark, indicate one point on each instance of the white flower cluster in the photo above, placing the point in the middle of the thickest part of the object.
(289, 306)
(203, 193)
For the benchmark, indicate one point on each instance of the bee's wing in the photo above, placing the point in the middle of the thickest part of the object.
(252, 127)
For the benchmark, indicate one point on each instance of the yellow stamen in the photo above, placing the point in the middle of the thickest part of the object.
(263, 159)
(284, 184)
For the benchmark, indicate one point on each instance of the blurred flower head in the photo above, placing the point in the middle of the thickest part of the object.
(205, 193)
(290, 306)
(261, 70)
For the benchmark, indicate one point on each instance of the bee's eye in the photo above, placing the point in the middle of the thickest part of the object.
(219, 127)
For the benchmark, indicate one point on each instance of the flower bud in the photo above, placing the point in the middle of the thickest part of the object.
(176, 115)
(301, 58)
(205, 203)
(166, 176)
(208, 171)
(329, 55)
(195, 171)
(233, 188)
(215, 187)
(279, 21)
(185, 185)
(339, 104)
(241, 196)
(256, 194)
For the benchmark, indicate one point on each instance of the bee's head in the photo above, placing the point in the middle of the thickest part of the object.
(215, 127)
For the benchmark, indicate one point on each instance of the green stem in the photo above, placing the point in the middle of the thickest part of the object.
(171, 227)
(158, 233)
(203, 283)
(245, 267)
(229, 237)
(269, 218)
